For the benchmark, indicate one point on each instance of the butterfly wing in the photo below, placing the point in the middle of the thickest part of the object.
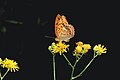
(64, 20)
(63, 30)
(58, 21)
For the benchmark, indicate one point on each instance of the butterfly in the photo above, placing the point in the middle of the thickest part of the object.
(63, 30)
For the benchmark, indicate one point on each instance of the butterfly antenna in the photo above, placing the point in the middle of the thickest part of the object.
(50, 37)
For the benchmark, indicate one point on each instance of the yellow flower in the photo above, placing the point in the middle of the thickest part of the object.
(79, 43)
(78, 49)
(81, 48)
(86, 47)
(59, 47)
(99, 49)
(10, 64)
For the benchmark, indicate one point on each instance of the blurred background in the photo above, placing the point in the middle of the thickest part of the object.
(25, 23)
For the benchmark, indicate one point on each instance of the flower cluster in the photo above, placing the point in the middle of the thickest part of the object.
(9, 64)
(59, 47)
(82, 48)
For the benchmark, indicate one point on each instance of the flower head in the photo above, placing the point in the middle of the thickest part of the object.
(78, 49)
(79, 43)
(81, 48)
(99, 49)
(86, 47)
(10, 64)
(59, 47)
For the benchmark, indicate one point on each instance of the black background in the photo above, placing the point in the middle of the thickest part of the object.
(26, 43)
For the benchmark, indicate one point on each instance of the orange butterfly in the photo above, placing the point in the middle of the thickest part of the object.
(63, 30)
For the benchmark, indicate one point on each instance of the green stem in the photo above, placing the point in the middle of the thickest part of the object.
(84, 69)
(73, 70)
(68, 60)
(0, 76)
(72, 73)
(54, 67)
(70, 65)
(77, 60)
(4, 74)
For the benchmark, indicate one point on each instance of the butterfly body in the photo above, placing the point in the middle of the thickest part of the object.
(63, 30)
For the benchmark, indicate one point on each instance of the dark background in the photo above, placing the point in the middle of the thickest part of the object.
(26, 43)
